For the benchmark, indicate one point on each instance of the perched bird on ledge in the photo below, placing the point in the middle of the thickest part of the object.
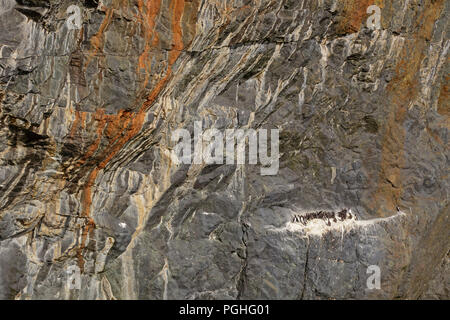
(327, 216)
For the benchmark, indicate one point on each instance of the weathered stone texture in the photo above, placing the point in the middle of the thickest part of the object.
(86, 177)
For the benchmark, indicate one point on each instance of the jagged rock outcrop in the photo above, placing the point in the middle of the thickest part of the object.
(87, 178)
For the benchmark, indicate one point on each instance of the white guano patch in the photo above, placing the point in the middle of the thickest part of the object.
(319, 227)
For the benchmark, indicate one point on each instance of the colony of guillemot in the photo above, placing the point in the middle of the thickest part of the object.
(327, 216)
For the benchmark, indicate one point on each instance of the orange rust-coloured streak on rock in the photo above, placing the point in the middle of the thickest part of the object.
(75, 124)
(86, 230)
(83, 120)
(402, 89)
(126, 125)
(138, 120)
(114, 127)
(177, 33)
(444, 99)
(116, 124)
(101, 119)
(151, 38)
(101, 122)
(80, 120)
(132, 130)
(90, 225)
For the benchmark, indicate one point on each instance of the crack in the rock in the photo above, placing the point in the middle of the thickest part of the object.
(305, 272)
(242, 273)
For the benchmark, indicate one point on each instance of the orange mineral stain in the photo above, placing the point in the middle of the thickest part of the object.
(119, 129)
(148, 21)
(402, 89)
(75, 124)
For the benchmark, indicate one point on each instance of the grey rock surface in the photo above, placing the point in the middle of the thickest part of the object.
(86, 174)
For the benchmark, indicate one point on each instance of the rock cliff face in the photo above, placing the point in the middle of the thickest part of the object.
(87, 180)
